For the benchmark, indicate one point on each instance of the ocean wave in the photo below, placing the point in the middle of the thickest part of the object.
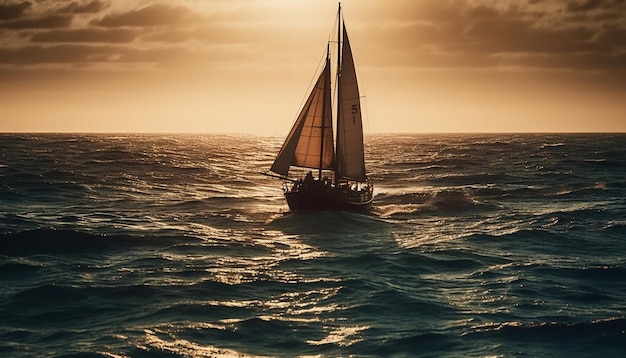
(441, 201)
(448, 201)
(552, 145)
(604, 329)
(527, 240)
(15, 269)
(591, 189)
(615, 226)
(406, 196)
(54, 241)
(161, 342)
(470, 179)
(592, 274)
(399, 343)
(58, 293)
(395, 210)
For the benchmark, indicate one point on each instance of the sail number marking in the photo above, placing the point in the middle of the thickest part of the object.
(355, 110)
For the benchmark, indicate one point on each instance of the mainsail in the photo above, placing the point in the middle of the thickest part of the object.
(310, 142)
(350, 151)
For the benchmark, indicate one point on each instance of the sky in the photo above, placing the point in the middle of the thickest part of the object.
(245, 66)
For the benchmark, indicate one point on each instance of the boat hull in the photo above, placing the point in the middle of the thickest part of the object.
(328, 198)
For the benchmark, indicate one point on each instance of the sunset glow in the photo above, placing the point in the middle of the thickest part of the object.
(244, 66)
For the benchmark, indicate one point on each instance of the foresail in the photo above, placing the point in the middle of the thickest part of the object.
(303, 146)
(350, 150)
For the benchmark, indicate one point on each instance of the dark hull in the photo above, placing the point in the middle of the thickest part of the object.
(328, 198)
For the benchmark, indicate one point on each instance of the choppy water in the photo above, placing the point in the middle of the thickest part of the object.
(477, 245)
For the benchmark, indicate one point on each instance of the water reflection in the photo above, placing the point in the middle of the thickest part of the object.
(267, 286)
(168, 342)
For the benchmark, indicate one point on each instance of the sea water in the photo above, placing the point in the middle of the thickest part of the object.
(176, 245)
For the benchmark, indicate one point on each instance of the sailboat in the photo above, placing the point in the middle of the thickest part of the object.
(341, 182)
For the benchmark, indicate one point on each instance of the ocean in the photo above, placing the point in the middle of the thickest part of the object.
(508, 245)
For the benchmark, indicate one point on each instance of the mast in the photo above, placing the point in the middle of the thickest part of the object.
(338, 87)
(326, 88)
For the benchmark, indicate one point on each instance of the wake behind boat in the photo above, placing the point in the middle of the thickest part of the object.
(341, 182)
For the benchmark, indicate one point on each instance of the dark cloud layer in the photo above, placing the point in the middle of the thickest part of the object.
(587, 5)
(152, 15)
(80, 32)
(86, 35)
(33, 54)
(75, 53)
(557, 34)
(13, 10)
(83, 7)
(42, 22)
(545, 34)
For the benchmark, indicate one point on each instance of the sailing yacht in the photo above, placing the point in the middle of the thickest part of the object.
(341, 182)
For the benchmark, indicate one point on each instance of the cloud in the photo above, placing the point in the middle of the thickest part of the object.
(586, 35)
(585, 61)
(512, 35)
(87, 35)
(82, 54)
(152, 15)
(116, 54)
(83, 7)
(84, 32)
(586, 5)
(33, 54)
(172, 36)
(43, 22)
(556, 34)
(13, 11)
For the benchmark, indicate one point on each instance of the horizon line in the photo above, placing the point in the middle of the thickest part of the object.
(282, 134)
